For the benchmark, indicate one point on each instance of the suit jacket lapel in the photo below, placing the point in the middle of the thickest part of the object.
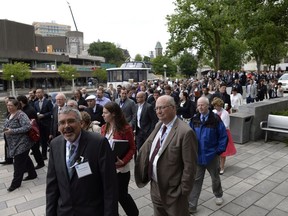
(81, 148)
(170, 136)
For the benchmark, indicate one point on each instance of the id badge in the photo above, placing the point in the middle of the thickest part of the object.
(83, 169)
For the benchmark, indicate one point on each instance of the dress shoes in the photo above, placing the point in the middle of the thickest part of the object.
(11, 188)
(29, 178)
(5, 162)
(192, 209)
(39, 166)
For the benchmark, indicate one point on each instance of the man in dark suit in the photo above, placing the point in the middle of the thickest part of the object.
(168, 158)
(128, 107)
(146, 119)
(94, 110)
(60, 103)
(81, 176)
(43, 108)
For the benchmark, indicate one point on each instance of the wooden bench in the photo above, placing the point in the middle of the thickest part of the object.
(275, 123)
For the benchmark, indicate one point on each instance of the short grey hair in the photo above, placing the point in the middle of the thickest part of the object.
(67, 110)
(169, 99)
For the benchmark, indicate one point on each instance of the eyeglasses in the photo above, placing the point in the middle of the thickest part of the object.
(161, 107)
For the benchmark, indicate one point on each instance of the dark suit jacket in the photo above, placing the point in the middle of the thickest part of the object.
(54, 122)
(97, 115)
(148, 119)
(176, 166)
(129, 110)
(92, 195)
(47, 107)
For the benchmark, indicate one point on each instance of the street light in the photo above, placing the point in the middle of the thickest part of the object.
(72, 82)
(165, 67)
(13, 87)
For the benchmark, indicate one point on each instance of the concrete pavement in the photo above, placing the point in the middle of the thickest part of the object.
(255, 183)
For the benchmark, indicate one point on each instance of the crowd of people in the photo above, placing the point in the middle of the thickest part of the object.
(174, 130)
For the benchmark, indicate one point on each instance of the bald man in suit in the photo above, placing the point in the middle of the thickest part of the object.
(168, 160)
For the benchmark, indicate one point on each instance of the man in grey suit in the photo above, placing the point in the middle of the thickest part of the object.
(146, 119)
(168, 159)
(81, 177)
(128, 107)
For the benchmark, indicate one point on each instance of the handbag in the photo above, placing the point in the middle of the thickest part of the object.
(34, 133)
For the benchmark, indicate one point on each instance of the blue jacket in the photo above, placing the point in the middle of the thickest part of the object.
(212, 137)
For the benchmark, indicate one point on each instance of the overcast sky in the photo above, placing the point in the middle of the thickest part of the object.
(135, 25)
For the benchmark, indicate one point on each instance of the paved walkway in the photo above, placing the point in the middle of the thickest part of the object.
(255, 183)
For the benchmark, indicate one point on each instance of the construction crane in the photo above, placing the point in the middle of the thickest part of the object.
(72, 16)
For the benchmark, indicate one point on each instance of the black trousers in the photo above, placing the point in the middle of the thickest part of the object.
(44, 137)
(22, 162)
(125, 199)
(7, 158)
(37, 154)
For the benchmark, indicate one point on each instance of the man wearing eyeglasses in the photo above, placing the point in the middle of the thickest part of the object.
(81, 176)
(168, 160)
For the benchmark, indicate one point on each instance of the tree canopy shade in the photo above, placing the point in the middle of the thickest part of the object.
(188, 64)
(202, 25)
(158, 64)
(18, 71)
(100, 74)
(109, 51)
(67, 72)
(223, 30)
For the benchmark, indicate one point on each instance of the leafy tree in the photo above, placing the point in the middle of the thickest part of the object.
(158, 64)
(19, 70)
(67, 72)
(232, 54)
(188, 64)
(100, 74)
(138, 57)
(201, 25)
(146, 59)
(263, 27)
(111, 53)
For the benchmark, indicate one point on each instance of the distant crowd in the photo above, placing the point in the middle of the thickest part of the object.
(175, 131)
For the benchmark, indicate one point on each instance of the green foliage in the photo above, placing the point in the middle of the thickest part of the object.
(19, 70)
(146, 59)
(111, 53)
(67, 72)
(138, 57)
(100, 74)
(188, 64)
(232, 55)
(158, 63)
(281, 112)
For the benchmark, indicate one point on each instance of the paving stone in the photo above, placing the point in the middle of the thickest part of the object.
(26, 213)
(277, 212)
(16, 201)
(269, 201)
(247, 199)
(141, 202)
(282, 162)
(146, 211)
(3, 205)
(269, 170)
(238, 189)
(31, 204)
(282, 189)
(262, 163)
(278, 177)
(40, 210)
(212, 205)
(283, 206)
(230, 181)
(254, 211)
(233, 208)
(265, 186)
(8, 211)
(203, 211)
(246, 172)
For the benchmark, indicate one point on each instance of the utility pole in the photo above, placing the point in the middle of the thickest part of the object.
(72, 16)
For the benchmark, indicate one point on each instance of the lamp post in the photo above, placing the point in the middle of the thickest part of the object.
(165, 67)
(73, 82)
(13, 87)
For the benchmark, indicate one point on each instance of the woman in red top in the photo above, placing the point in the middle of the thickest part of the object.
(117, 128)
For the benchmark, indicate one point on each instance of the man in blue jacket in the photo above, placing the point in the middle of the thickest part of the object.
(212, 140)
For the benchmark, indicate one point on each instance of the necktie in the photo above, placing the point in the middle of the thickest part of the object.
(156, 150)
(203, 119)
(40, 104)
(71, 159)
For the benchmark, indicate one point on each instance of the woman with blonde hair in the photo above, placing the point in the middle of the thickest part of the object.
(217, 103)
(87, 124)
